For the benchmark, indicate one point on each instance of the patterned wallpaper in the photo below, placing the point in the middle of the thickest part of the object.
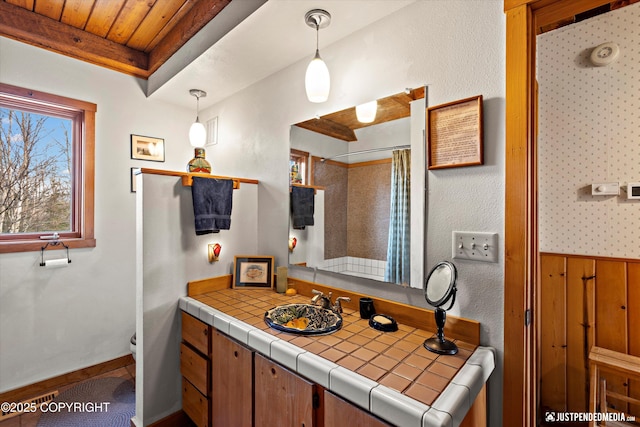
(589, 132)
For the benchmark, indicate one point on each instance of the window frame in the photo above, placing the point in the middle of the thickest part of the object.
(301, 157)
(83, 114)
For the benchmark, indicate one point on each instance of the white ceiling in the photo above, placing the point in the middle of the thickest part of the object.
(272, 38)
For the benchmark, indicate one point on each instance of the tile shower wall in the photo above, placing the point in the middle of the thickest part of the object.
(354, 266)
(589, 132)
(369, 205)
(334, 177)
(357, 203)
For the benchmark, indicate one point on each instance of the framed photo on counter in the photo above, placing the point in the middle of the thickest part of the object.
(253, 271)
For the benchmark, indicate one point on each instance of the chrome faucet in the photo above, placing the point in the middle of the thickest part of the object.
(324, 301)
(321, 299)
(338, 306)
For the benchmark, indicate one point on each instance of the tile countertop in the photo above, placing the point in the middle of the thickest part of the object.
(389, 374)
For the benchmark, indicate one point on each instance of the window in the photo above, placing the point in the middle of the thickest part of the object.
(46, 169)
(298, 167)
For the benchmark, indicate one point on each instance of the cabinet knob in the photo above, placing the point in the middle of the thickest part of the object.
(205, 332)
(235, 354)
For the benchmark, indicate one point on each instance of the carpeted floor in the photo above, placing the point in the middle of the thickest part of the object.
(102, 402)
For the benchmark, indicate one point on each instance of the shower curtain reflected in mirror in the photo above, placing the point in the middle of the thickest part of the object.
(398, 260)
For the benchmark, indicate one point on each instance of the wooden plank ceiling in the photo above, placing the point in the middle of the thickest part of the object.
(131, 36)
(342, 124)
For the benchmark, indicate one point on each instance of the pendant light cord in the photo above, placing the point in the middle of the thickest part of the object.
(197, 108)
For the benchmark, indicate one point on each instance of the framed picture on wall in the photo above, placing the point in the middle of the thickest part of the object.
(253, 271)
(147, 148)
(455, 136)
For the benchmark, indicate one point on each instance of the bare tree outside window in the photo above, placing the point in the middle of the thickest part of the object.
(36, 158)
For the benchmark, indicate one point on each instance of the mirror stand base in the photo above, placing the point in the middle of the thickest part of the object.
(438, 346)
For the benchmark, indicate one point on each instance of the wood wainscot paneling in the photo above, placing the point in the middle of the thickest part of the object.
(586, 301)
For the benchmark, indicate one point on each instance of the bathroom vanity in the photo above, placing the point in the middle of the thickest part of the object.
(238, 371)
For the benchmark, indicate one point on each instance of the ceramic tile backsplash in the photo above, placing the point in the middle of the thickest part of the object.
(589, 132)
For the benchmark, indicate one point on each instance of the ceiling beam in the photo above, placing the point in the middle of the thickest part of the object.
(343, 123)
(226, 20)
(37, 30)
(329, 128)
(193, 21)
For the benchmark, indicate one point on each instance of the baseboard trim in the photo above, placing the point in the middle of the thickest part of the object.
(35, 389)
(177, 419)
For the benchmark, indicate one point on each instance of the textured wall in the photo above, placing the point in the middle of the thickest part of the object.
(369, 204)
(334, 177)
(588, 133)
(357, 201)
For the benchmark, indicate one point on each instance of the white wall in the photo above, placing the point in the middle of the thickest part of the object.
(170, 254)
(588, 133)
(57, 321)
(455, 47)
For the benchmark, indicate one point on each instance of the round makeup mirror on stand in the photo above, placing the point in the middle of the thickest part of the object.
(439, 288)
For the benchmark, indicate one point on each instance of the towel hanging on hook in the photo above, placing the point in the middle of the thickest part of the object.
(54, 241)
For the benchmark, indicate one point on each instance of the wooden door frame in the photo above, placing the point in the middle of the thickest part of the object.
(521, 352)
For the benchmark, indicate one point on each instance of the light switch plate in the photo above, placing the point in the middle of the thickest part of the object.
(475, 246)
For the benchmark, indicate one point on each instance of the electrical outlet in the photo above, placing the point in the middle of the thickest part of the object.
(475, 246)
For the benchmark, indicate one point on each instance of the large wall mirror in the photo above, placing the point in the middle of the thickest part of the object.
(366, 179)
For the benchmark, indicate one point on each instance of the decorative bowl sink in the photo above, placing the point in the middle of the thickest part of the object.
(303, 319)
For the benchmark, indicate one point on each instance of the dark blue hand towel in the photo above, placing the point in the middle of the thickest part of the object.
(212, 200)
(302, 206)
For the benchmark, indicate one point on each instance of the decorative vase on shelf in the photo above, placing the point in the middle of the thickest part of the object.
(199, 164)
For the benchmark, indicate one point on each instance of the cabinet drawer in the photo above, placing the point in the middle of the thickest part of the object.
(196, 333)
(194, 404)
(195, 368)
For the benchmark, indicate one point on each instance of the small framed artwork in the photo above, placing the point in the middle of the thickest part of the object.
(253, 271)
(147, 148)
(455, 134)
(134, 172)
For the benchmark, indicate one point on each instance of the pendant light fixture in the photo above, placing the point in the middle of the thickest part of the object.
(198, 139)
(366, 113)
(317, 81)
(197, 132)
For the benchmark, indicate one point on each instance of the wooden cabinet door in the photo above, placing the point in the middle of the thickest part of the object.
(340, 413)
(231, 383)
(282, 398)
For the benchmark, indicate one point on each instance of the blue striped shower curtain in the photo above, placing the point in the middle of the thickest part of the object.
(398, 260)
